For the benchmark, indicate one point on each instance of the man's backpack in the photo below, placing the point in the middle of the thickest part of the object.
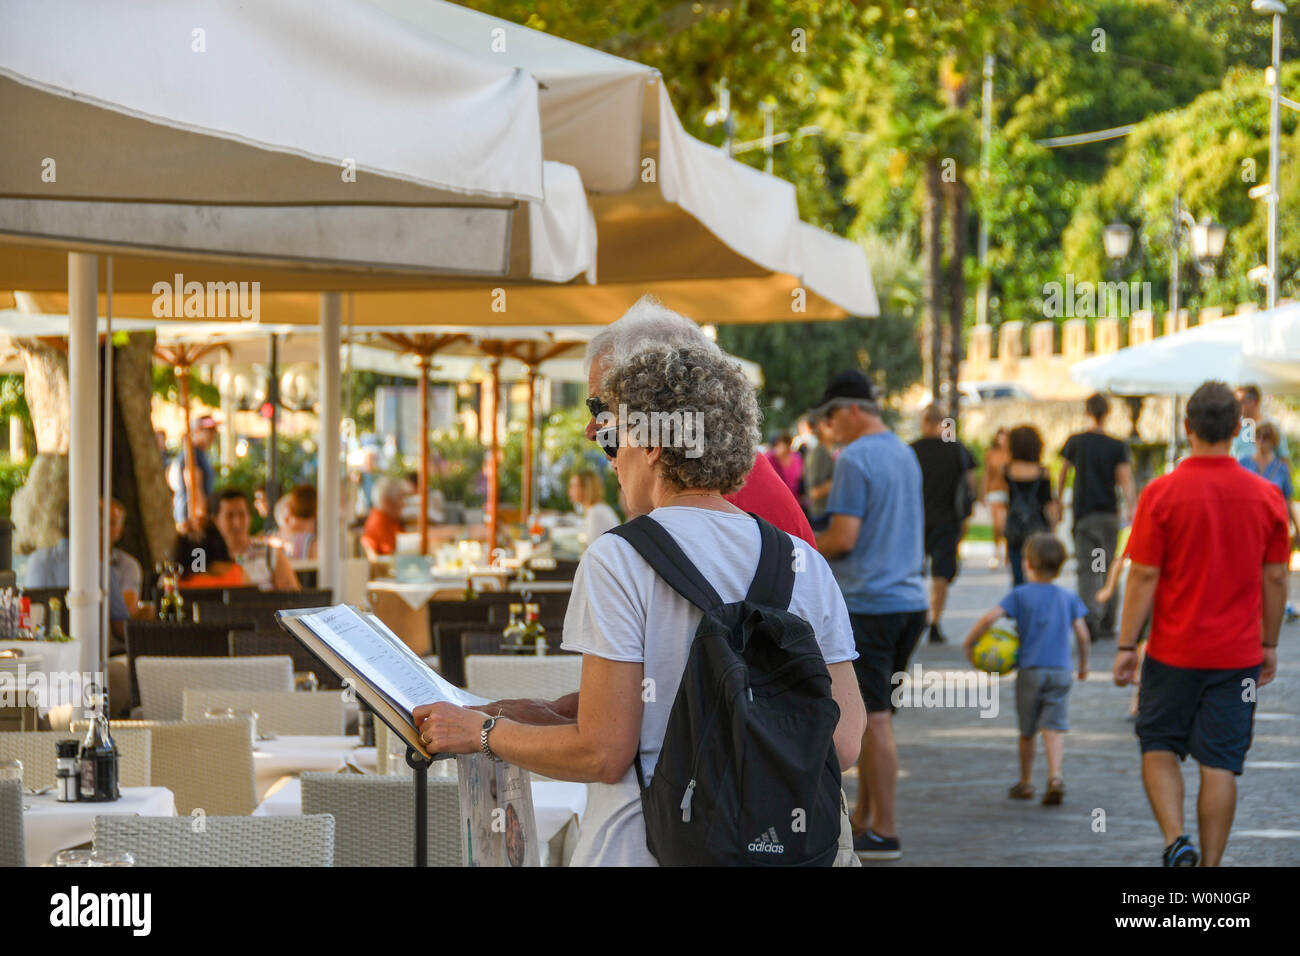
(1024, 513)
(747, 774)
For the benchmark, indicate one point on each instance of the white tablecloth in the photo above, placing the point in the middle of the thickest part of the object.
(57, 657)
(50, 826)
(417, 594)
(556, 804)
(291, 754)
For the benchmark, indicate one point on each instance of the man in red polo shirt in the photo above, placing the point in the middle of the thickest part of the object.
(1210, 549)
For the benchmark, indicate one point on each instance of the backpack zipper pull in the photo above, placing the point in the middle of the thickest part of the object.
(750, 692)
(686, 802)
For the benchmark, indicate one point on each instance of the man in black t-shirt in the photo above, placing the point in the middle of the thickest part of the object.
(1100, 463)
(946, 466)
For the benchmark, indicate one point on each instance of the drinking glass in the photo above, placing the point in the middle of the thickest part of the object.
(11, 769)
(105, 858)
(72, 858)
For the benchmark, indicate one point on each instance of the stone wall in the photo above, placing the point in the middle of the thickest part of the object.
(1039, 356)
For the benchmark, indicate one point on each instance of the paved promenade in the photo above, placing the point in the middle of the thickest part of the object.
(956, 766)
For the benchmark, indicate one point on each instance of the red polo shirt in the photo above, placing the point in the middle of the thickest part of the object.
(1210, 526)
(766, 495)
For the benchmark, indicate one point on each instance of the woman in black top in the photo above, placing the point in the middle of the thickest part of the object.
(1031, 507)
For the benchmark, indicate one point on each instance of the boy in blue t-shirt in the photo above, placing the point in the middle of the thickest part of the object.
(1045, 614)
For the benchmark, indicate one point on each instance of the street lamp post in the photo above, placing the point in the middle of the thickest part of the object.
(1207, 239)
(1275, 9)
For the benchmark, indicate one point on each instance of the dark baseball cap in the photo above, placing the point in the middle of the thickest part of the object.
(848, 386)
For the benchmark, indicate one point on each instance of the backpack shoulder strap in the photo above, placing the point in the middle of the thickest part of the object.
(664, 554)
(773, 582)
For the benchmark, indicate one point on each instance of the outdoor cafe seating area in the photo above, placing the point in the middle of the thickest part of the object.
(233, 720)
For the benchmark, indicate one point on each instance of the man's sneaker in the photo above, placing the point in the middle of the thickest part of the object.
(872, 846)
(936, 635)
(1179, 853)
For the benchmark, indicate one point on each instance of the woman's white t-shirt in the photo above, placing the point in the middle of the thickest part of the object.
(622, 611)
(599, 518)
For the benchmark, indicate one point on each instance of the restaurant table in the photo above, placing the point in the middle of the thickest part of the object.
(56, 657)
(557, 805)
(540, 587)
(50, 826)
(290, 754)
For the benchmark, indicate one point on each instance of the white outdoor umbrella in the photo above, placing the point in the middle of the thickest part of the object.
(316, 134)
(1177, 364)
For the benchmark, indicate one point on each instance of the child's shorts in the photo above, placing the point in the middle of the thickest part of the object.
(1043, 699)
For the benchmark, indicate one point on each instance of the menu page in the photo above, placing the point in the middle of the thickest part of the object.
(380, 656)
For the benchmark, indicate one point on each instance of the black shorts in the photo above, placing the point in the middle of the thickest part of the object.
(885, 643)
(941, 549)
(1197, 711)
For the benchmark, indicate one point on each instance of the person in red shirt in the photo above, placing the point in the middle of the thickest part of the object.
(1209, 550)
(384, 523)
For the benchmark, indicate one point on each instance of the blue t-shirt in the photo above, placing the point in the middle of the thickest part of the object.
(1045, 615)
(49, 568)
(1275, 471)
(878, 479)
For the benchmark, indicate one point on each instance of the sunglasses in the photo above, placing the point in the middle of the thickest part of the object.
(607, 439)
(596, 406)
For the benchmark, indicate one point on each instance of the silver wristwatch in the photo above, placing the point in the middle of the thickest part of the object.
(483, 738)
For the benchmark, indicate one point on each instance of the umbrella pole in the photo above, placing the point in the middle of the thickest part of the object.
(494, 489)
(527, 478)
(422, 362)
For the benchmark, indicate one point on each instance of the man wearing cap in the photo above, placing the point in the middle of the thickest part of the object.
(204, 434)
(875, 545)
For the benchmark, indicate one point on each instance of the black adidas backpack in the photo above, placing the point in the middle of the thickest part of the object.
(748, 773)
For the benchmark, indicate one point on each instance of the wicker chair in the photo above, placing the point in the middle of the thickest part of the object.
(313, 597)
(163, 680)
(36, 750)
(206, 764)
(233, 617)
(19, 716)
(499, 677)
(219, 841)
(374, 818)
(274, 641)
(13, 846)
(280, 712)
(169, 639)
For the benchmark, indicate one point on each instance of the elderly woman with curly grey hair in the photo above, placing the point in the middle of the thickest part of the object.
(681, 429)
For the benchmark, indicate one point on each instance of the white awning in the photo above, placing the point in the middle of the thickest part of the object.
(1178, 364)
(606, 116)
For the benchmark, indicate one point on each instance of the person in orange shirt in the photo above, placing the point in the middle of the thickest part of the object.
(384, 523)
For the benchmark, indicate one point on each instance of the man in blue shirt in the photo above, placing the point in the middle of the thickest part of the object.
(875, 543)
(204, 435)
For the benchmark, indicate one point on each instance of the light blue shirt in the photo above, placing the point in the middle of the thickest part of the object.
(1275, 471)
(48, 568)
(1242, 448)
(878, 479)
(1045, 615)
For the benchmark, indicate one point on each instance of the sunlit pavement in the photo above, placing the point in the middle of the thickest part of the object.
(956, 766)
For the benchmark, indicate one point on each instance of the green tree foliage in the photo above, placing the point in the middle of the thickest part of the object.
(1211, 152)
(13, 404)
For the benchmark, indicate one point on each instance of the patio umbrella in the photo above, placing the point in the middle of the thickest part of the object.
(1239, 349)
(302, 133)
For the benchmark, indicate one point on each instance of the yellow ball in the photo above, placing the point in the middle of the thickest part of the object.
(997, 649)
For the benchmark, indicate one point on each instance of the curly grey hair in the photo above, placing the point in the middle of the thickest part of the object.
(649, 320)
(700, 387)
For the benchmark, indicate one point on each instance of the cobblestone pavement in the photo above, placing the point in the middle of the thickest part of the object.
(956, 766)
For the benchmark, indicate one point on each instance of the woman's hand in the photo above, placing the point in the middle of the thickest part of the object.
(446, 728)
